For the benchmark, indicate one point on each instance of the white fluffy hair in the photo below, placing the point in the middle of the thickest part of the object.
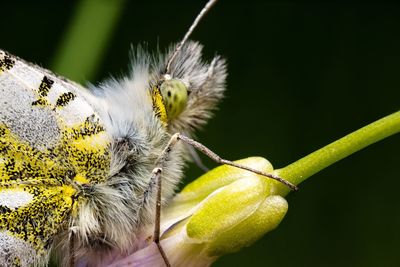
(113, 211)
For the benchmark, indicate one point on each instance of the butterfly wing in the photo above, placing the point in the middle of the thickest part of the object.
(51, 141)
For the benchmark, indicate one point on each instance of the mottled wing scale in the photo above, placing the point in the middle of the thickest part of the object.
(51, 142)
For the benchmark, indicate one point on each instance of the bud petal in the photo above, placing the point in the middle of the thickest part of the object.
(221, 212)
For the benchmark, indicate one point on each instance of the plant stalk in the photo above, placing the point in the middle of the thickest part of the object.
(353, 142)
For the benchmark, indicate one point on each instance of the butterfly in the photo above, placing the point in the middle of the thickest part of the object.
(81, 169)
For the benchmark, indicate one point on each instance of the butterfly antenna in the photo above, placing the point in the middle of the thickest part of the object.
(205, 9)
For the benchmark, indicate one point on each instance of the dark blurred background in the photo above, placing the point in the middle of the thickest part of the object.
(301, 75)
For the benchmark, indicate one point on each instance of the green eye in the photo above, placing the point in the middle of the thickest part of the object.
(174, 94)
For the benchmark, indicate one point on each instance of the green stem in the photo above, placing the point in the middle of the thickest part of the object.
(322, 158)
(92, 25)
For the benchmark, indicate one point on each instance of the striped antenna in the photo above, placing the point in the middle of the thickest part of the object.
(205, 9)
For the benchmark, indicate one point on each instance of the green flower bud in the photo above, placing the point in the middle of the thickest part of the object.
(221, 212)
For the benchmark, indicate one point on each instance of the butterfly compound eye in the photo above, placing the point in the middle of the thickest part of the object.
(174, 94)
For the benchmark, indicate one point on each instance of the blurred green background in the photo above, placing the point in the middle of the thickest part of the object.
(301, 75)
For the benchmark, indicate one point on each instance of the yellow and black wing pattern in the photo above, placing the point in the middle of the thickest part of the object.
(52, 142)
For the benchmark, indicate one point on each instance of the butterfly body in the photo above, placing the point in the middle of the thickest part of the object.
(76, 164)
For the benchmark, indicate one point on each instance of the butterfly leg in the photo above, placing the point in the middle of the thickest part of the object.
(156, 176)
(72, 249)
(196, 159)
(206, 151)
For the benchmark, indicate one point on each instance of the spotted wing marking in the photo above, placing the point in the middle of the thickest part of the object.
(6, 61)
(43, 174)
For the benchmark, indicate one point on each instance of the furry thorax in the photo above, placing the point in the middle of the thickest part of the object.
(112, 212)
